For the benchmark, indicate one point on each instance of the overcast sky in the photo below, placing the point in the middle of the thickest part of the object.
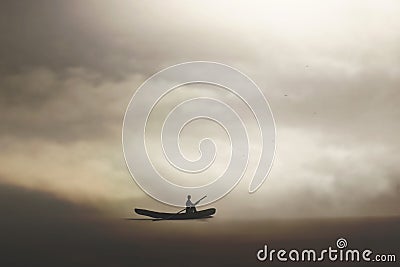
(330, 71)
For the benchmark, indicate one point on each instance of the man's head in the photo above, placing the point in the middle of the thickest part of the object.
(189, 196)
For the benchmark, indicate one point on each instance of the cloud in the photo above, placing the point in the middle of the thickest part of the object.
(62, 134)
(330, 72)
(74, 104)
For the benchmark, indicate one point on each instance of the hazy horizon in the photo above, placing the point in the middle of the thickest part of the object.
(330, 71)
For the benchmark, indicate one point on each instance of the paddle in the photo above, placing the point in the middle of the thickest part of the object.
(197, 202)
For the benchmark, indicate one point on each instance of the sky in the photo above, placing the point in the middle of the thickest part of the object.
(329, 70)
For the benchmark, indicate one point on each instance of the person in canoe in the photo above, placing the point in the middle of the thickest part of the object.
(190, 206)
(191, 212)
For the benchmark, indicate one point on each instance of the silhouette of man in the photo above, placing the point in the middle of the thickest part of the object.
(190, 207)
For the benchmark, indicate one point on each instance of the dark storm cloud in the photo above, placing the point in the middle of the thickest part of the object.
(114, 39)
(53, 34)
(51, 86)
(73, 105)
(57, 57)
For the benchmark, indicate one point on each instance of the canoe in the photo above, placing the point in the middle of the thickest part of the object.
(207, 213)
